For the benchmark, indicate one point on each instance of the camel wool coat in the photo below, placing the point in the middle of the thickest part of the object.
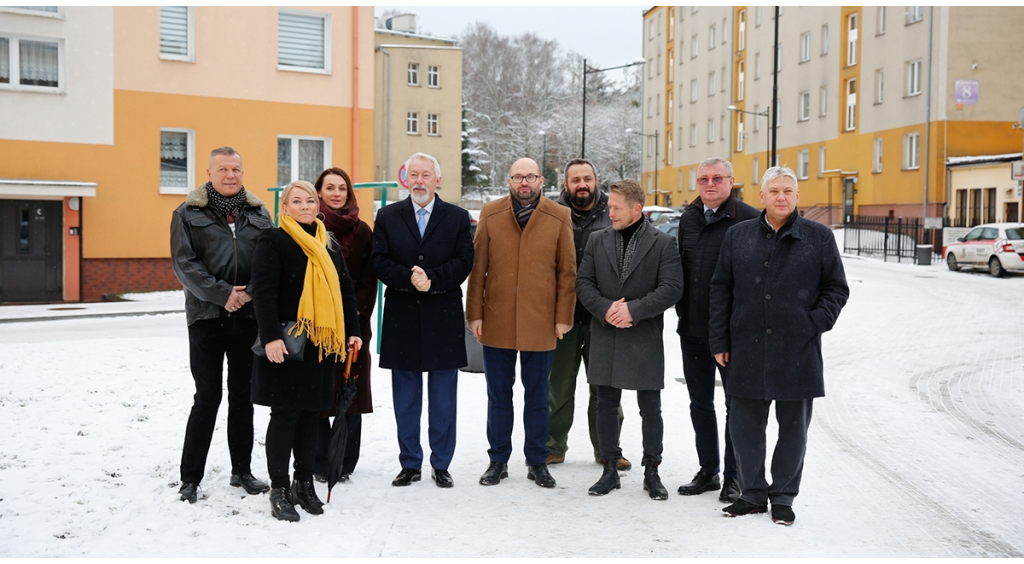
(523, 280)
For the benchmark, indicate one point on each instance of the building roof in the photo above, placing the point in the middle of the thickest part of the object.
(454, 42)
(983, 159)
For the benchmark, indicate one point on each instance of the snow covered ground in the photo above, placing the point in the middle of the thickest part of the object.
(917, 450)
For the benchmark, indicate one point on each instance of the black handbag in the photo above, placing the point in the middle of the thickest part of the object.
(293, 344)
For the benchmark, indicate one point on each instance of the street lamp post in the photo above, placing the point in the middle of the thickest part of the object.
(655, 136)
(544, 151)
(588, 70)
(767, 152)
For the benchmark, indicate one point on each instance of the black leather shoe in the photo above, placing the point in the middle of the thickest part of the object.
(783, 514)
(730, 491)
(442, 478)
(189, 492)
(609, 479)
(304, 495)
(702, 482)
(281, 505)
(249, 483)
(494, 473)
(540, 476)
(652, 483)
(406, 476)
(743, 507)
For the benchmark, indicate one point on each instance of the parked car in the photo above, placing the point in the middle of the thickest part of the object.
(474, 218)
(666, 217)
(670, 226)
(998, 247)
(654, 212)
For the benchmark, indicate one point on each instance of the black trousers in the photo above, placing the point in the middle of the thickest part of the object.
(210, 340)
(699, 369)
(652, 426)
(352, 439)
(747, 424)
(291, 430)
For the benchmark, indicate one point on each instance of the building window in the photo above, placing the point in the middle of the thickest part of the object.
(712, 88)
(805, 106)
(671, 24)
(176, 160)
(851, 104)
(741, 41)
(693, 179)
(659, 24)
(712, 37)
(670, 113)
(740, 80)
(650, 107)
(668, 153)
(651, 146)
(693, 134)
(31, 64)
(723, 79)
(412, 123)
(823, 99)
(915, 14)
(301, 158)
(671, 66)
(851, 40)
(803, 162)
(650, 69)
(721, 128)
(880, 20)
(433, 76)
(177, 33)
(821, 161)
(778, 113)
(694, 46)
(303, 41)
(739, 133)
(650, 30)
(757, 66)
(49, 11)
(756, 169)
(657, 104)
(432, 124)
(911, 151)
(693, 90)
(824, 40)
(757, 120)
(876, 161)
(711, 130)
(914, 77)
(412, 74)
(757, 21)
(778, 57)
(681, 95)
(879, 86)
(725, 31)
(657, 64)
(805, 47)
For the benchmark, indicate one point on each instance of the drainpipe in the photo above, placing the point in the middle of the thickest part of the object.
(928, 114)
(355, 92)
(387, 117)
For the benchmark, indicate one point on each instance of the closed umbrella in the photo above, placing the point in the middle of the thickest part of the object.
(339, 429)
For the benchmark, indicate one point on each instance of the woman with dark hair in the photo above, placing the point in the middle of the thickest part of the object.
(340, 213)
(300, 287)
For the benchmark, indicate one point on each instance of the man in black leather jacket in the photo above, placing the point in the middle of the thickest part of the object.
(213, 234)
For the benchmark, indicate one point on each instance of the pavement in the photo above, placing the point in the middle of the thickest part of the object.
(156, 303)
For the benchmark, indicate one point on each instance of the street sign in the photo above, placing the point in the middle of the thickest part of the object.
(1017, 173)
(401, 179)
(966, 92)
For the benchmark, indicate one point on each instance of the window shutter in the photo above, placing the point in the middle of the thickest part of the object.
(300, 40)
(174, 30)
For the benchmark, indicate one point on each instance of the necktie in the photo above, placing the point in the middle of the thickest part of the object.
(421, 222)
(708, 214)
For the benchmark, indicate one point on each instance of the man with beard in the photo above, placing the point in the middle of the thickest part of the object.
(589, 212)
(422, 251)
(520, 301)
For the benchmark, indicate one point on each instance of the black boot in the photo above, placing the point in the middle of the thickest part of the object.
(652, 483)
(304, 495)
(281, 504)
(609, 479)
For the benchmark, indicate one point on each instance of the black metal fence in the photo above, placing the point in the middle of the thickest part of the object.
(884, 237)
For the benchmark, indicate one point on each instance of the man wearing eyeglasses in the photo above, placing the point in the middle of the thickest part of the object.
(520, 301)
(702, 228)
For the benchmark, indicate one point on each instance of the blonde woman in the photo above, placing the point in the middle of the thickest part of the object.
(300, 285)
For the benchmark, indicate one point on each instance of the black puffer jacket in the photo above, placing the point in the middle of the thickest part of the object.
(209, 258)
(583, 225)
(699, 243)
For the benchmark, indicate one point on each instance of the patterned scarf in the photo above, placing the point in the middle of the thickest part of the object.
(343, 223)
(224, 205)
(523, 212)
(626, 254)
(320, 313)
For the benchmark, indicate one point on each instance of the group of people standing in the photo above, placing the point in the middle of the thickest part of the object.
(550, 284)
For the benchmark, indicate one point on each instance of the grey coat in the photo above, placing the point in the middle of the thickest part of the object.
(772, 296)
(633, 358)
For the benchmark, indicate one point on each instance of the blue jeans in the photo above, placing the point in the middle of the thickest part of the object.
(699, 370)
(500, 372)
(442, 393)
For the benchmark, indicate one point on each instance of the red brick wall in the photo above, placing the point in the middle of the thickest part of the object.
(105, 276)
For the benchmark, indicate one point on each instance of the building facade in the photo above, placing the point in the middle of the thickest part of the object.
(112, 112)
(418, 96)
(872, 101)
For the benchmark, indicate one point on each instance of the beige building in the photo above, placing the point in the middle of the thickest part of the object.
(418, 97)
(982, 190)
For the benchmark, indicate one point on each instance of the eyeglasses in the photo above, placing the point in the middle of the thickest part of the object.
(531, 178)
(705, 180)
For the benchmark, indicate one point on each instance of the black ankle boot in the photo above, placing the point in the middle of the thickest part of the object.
(304, 495)
(652, 483)
(609, 479)
(281, 504)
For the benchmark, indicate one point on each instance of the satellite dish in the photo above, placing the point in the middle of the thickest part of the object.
(1020, 117)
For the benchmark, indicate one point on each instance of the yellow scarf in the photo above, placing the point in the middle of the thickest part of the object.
(320, 313)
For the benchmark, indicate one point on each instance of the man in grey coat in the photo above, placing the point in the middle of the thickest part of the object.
(778, 286)
(629, 276)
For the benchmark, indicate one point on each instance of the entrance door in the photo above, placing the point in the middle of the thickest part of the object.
(1010, 214)
(31, 251)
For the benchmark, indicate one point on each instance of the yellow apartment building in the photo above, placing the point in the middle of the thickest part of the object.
(110, 114)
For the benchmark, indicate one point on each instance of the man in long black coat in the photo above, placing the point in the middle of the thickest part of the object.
(778, 286)
(423, 251)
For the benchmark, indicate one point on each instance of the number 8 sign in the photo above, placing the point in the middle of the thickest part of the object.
(966, 92)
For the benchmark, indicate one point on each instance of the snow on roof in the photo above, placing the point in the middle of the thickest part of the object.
(979, 159)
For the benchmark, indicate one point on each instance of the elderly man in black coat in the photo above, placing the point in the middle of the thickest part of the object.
(778, 286)
(422, 251)
(629, 276)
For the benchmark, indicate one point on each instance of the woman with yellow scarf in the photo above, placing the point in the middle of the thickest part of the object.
(300, 286)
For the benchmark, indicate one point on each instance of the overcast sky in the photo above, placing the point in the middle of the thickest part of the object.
(605, 36)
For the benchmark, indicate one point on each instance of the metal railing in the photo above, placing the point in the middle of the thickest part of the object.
(884, 237)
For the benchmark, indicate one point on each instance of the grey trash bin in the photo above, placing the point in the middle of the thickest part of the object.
(924, 255)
